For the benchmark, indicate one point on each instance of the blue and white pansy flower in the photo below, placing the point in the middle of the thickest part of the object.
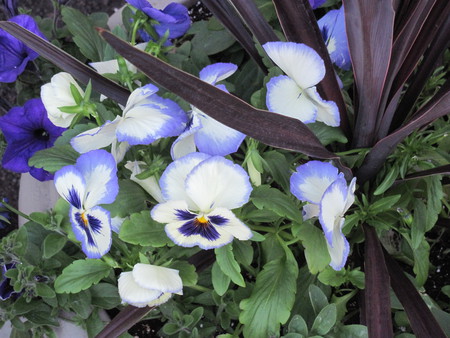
(149, 285)
(146, 118)
(295, 94)
(332, 26)
(200, 191)
(85, 185)
(202, 131)
(328, 196)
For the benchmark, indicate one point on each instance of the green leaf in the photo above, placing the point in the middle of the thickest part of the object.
(317, 298)
(187, 272)
(143, 230)
(352, 331)
(84, 35)
(243, 252)
(331, 277)
(53, 159)
(130, 199)
(298, 325)
(327, 134)
(80, 303)
(272, 298)
(278, 167)
(210, 41)
(434, 196)
(80, 275)
(316, 251)
(384, 204)
(105, 295)
(387, 181)
(41, 218)
(265, 197)
(421, 262)
(220, 281)
(53, 244)
(325, 320)
(419, 224)
(228, 265)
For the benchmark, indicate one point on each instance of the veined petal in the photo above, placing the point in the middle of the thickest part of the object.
(185, 143)
(327, 111)
(298, 61)
(215, 138)
(158, 278)
(93, 229)
(96, 138)
(130, 292)
(311, 180)
(71, 186)
(232, 226)
(217, 72)
(98, 168)
(339, 250)
(161, 299)
(218, 182)
(332, 208)
(169, 212)
(310, 210)
(285, 97)
(173, 179)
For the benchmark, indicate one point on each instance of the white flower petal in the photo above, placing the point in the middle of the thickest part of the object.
(311, 180)
(185, 143)
(119, 149)
(285, 97)
(310, 210)
(167, 212)
(158, 278)
(71, 186)
(298, 61)
(130, 292)
(150, 184)
(233, 226)
(161, 299)
(340, 249)
(217, 72)
(218, 182)
(327, 111)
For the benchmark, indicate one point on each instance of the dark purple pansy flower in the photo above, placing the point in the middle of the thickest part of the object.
(332, 26)
(316, 3)
(14, 54)
(27, 129)
(6, 289)
(174, 18)
(9, 7)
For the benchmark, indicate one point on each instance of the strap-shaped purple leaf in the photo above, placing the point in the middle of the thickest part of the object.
(68, 63)
(441, 170)
(376, 293)
(226, 14)
(420, 317)
(369, 26)
(255, 21)
(300, 25)
(269, 128)
(438, 106)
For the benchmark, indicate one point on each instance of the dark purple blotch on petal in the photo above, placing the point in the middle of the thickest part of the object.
(74, 198)
(197, 227)
(88, 223)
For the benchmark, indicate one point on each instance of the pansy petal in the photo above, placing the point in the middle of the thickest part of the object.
(327, 111)
(311, 180)
(71, 186)
(119, 149)
(157, 278)
(218, 182)
(139, 95)
(350, 194)
(332, 207)
(310, 210)
(298, 61)
(173, 179)
(98, 168)
(185, 143)
(226, 222)
(160, 300)
(339, 250)
(169, 211)
(130, 292)
(93, 229)
(217, 72)
(285, 97)
(96, 138)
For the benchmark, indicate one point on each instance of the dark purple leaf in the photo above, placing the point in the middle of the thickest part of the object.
(68, 63)
(376, 293)
(269, 128)
(300, 25)
(121, 323)
(255, 20)
(420, 317)
(442, 170)
(370, 27)
(226, 14)
(438, 106)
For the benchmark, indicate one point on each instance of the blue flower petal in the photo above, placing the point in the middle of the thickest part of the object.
(217, 72)
(70, 184)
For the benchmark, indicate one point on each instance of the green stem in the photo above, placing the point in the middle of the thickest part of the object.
(199, 288)
(263, 228)
(134, 32)
(14, 210)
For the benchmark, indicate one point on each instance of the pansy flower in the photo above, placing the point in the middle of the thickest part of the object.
(85, 185)
(200, 191)
(27, 130)
(146, 118)
(328, 196)
(57, 94)
(174, 18)
(14, 54)
(295, 94)
(149, 285)
(332, 26)
(204, 132)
